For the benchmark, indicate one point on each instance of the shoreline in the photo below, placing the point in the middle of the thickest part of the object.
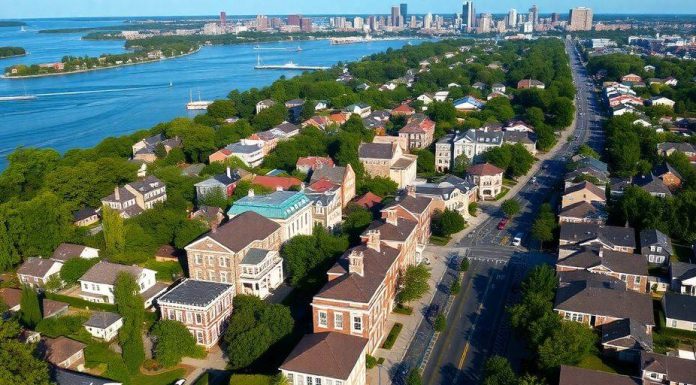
(98, 68)
(13, 56)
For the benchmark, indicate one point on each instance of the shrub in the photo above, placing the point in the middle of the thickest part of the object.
(447, 223)
(456, 287)
(370, 361)
(75, 268)
(464, 265)
(473, 208)
(440, 323)
(61, 326)
(392, 336)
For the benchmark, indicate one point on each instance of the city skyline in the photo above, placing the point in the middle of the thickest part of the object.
(107, 8)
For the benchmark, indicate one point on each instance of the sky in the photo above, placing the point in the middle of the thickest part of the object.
(88, 8)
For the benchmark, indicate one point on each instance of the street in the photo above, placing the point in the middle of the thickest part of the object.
(477, 321)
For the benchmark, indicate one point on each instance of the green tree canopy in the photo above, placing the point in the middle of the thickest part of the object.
(173, 341)
(414, 284)
(130, 306)
(30, 307)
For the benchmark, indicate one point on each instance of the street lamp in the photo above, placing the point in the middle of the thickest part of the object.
(379, 369)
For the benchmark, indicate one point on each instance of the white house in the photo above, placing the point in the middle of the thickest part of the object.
(426, 98)
(67, 251)
(441, 96)
(104, 325)
(661, 101)
(361, 109)
(36, 272)
(97, 284)
(261, 272)
(519, 126)
(262, 105)
(679, 311)
(468, 103)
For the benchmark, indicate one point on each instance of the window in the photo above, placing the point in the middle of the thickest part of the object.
(199, 336)
(211, 260)
(290, 379)
(317, 380)
(323, 319)
(636, 279)
(338, 321)
(198, 259)
(223, 261)
(199, 319)
(223, 277)
(189, 317)
(309, 380)
(357, 323)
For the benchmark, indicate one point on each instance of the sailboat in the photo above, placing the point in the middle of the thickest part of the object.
(22, 29)
(197, 104)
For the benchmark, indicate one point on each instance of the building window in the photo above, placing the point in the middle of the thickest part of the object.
(198, 259)
(357, 323)
(290, 379)
(309, 380)
(323, 319)
(338, 321)
(199, 319)
(199, 336)
(636, 280)
(674, 323)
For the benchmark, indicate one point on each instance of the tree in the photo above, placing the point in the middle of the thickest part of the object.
(567, 345)
(8, 252)
(114, 232)
(255, 326)
(307, 257)
(473, 208)
(498, 371)
(357, 220)
(231, 133)
(31, 309)
(544, 224)
(461, 163)
(586, 150)
(414, 284)
(19, 363)
(74, 268)
(426, 161)
(529, 379)
(511, 207)
(379, 186)
(447, 223)
(222, 109)
(414, 377)
(173, 341)
(130, 306)
(442, 112)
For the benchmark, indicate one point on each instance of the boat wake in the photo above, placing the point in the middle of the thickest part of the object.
(65, 93)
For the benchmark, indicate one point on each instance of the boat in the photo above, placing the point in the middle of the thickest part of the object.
(299, 49)
(196, 105)
(18, 97)
(291, 65)
(23, 29)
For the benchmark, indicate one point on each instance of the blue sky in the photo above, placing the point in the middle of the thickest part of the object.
(80, 8)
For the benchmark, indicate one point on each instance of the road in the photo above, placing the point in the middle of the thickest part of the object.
(477, 322)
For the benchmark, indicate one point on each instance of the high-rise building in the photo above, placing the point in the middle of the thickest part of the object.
(294, 20)
(485, 23)
(414, 22)
(358, 22)
(428, 21)
(396, 16)
(580, 19)
(555, 17)
(306, 24)
(223, 20)
(512, 18)
(261, 22)
(372, 22)
(468, 15)
(403, 10)
(534, 14)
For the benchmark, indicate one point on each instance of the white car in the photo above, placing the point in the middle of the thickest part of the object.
(518, 239)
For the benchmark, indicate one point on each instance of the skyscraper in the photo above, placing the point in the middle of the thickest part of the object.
(395, 16)
(534, 14)
(512, 18)
(469, 15)
(223, 20)
(580, 19)
(485, 23)
(306, 24)
(294, 20)
(555, 17)
(404, 12)
(428, 21)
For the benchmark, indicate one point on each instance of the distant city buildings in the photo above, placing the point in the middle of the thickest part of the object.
(580, 19)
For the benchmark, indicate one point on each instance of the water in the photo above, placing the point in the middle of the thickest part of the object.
(80, 110)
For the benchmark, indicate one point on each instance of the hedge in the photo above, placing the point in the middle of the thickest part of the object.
(393, 335)
(81, 303)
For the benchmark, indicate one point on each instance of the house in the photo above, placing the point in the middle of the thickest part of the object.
(631, 78)
(277, 183)
(318, 121)
(479, 86)
(250, 152)
(325, 196)
(212, 216)
(441, 96)
(526, 139)
(469, 103)
(192, 169)
(261, 272)
(85, 217)
(362, 87)
(368, 200)
(339, 118)
(343, 177)
(327, 358)
(11, 297)
(652, 184)
(308, 164)
(618, 100)
(582, 161)
(655, 246)
(680, 311)
(388, 86)
(625, 339)
(584, 212)
(450, 193)
(632, 269)
(471, 144)
(387, 160)
(669, 175)
(519, 126)
(660, 101)
(262, 105)
(203, 307)
(51, 308)
(583, 192)
(69, 377)
(136, 197)
(145, 150)
(97, 284)
(285, 130)
(418, 132)
(67, 251)
(683, 277)
(571, 375)
(292, 210)
(495, 94)
(595, 303)
(426, 99)
(622, 109)
(295, 107)
(667, 148)
(575, 235)
(589, 173)
(411, 208)
(103, 325)
(222, 184)
(498, 87)
(217, 255)
(361, 109)
(530, 83)
(321, 105)
(403, 110)
(488, 178)
(65, 353)
(661, 369)
(36, 271)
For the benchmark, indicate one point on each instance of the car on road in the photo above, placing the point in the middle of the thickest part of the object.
(534, 180)
(517, 240)
(180, 382)
(503, 222)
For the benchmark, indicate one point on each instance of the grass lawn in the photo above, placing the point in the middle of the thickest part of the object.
(683, 253)
(166, 271)
(439, 241)
(98, 355)
(665, 339)
(509, 182)
(502, 194)
(595, 363)
(250, 379)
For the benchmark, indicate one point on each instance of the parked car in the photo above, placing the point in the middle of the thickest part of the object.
(517, 240)
(503, 222)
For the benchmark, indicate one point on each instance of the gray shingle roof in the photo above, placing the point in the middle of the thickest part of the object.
(376, 150)
(102, 319)
(194, 293)
(242, 230)
(36, 267)
(571, 375)
(66, 251)
(656, 237)
(626, 333)
(254, 256)
(107, 272)
(680, 306)
(682, 270)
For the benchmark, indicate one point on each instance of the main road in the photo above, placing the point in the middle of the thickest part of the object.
(477, 322)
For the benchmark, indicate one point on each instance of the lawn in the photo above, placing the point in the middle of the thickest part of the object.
(166, 271)
(250, 379)
(502, 194)
(595, 363)
(439, 241)
(98, 355)
(665, 339)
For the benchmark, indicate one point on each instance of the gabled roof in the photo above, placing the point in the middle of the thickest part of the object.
(398, 233)
(50, 307)
(682, 270)
(610, 235)
(69, 377)
(276, 182)
(10, 296)
(315, 161)
(66, 251)
(651, 184)
(332, 355)
(484, 169)
(584, 210)
(240, 231)
(586, 186)
(107, 272)
(368, 200)
(626, 333)
(334, 174)
(61, 348)
(677, 370)
(102, 319)
(656, 237)
(571, 375)
(36, 267)
(195, 293)
(414, 205)
(680, 306)
(625, 263)
(377, 150)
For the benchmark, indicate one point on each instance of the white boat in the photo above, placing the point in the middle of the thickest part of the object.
(194, 105)
(18, 97)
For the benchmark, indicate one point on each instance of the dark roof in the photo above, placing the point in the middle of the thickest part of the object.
(584, 210)
(68, 377)
(242, 230)
(332, 355)
(565, 277)
(519, 137)
(680, 306)
(194, 293)
(146, 185)
(415, 205)
(571, 375)
(665, 168)
(651, 184)
(36, 267)
(333, 174)
(586, 185)
(677, 370)
(84, 213)
(376, 150)
(51, 307)
(615, 261)
(102, 319)
(611, 235)
(682, 270)
(107, 272)
(599, 298)
(399, 232)
(66, 251)
(656, 237)
(254, 256)
(352, 286)
(626, 333)
(61, 348)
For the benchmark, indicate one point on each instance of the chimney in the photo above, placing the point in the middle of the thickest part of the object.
(411, 191)
(117, 194)
(356, 263)
(373, 240)
(229, 172)
(251, 192)
(392, 218)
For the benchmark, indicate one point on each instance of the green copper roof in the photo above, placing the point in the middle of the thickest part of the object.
(276, 205)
